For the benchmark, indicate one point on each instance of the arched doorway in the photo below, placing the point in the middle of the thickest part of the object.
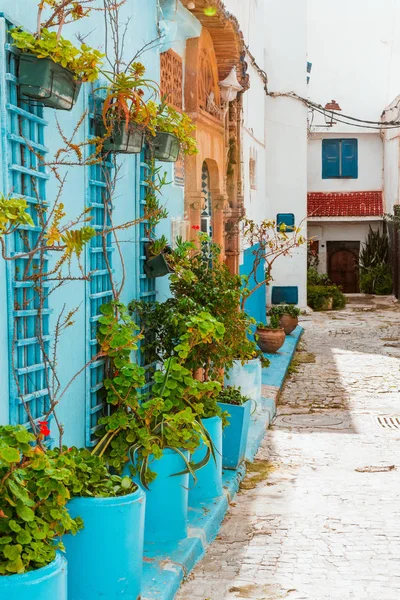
(343, 268)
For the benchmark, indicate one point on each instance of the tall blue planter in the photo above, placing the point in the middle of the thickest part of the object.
(247, 377)
(105, 558)
(167, 499)
(209, 478)
(47, 583)
(234, 440)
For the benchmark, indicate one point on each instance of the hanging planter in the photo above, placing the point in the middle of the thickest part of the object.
(209, 478)
(105, 558)
(48, 82)
(47, 583)
(122, 139)
(157, 266)
(235, 435)
(166, 146)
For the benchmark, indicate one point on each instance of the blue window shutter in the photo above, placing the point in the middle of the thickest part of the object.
(289, 294)
(330, 158)
(350, 158)
(285, 219)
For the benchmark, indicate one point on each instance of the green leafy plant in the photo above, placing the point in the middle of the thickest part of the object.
(375, 271)
(34, 491)
(273, 323)
(232, 395)
(284, 309)
(84, 62)
(164, 118)
(170, 416)
(89, 475)
(317, 296)
(316, 278)
(125, 97)
(377, 280)
(13, 212)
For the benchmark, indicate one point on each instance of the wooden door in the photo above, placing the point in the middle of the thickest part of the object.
(344, 270)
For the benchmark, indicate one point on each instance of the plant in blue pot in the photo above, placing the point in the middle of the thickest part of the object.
(234, 442)
(153, 436)
(33, 517)
(105, 558)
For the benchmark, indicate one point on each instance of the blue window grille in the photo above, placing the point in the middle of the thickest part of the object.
(99, 288)
(285, 219)
(340, 158)
(289, 294)
(146, 286)
(23, 129)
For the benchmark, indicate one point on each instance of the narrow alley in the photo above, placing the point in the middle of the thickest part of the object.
(318, 515)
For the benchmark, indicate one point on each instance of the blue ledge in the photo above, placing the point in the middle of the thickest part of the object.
(276, 374)
(166, 565)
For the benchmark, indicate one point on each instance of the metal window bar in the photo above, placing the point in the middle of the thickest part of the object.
(24, 177)
(98, 288)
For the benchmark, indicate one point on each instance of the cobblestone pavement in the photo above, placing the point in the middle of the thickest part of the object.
(319, 515)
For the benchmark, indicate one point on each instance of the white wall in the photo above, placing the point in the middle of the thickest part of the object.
(370, 164)
(354, 47)
(286, 126)
(253, 145)
(338, 231)
(391, 158)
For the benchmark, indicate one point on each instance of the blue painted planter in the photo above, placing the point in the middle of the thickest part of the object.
(234, 440)
(105, 558)
(167, 500)
(47, 583)
(247, 377)
(209, 478)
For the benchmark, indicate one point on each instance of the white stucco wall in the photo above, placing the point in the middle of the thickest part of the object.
(370, 164)
(354, 47)
(286, 127)
(391, 158)
(338, 231)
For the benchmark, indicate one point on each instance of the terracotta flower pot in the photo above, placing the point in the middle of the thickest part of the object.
(270, 340)
(328, 303)
(288, 323)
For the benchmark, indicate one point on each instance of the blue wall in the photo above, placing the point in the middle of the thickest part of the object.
(73, 347)
(256, 305)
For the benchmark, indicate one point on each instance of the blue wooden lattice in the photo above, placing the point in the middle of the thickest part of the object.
(23, 131)
(99, 289)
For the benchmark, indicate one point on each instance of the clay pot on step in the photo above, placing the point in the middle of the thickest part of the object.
(270, 340)
(288, 323)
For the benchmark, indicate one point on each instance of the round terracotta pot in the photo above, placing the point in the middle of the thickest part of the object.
(288, 323)
(270, 340)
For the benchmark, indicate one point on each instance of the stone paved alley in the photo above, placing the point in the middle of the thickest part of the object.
(319, 515)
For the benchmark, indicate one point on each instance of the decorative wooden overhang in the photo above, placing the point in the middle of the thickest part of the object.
(226, 35)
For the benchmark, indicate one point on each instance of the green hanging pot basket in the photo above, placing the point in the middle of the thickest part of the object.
(166, 147)
(48, 82)
(157, 266)
(123, 140)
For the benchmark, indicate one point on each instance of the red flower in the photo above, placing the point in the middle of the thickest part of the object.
(197, 227)
(43, 428)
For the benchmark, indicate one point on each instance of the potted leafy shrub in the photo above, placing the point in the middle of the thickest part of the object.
(51, 68)
(125, 113)
(235, 435)
(153, 436)
(33, 517)
(157, 254)
(288, 316)
(105, 558)
(270, 337)
(170, 132)
(322, 294)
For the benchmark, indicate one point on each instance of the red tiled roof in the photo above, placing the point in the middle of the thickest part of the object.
(351, 204)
